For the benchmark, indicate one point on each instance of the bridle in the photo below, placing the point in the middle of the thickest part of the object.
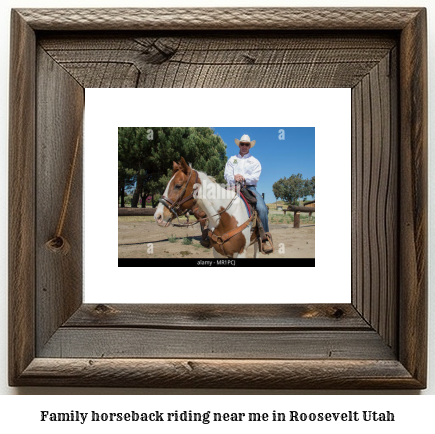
(174, 207)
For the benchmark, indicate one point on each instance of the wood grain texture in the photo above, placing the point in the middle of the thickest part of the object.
(375, 203)
(392, 299)
(220, 18)
(282, 317)
(236, 60)
(95, 342)
(21, 195)
(59, 279)
(378, 342)
(413, 198)
(228, 374)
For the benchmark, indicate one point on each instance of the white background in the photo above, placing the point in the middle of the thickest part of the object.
(328, 110)
(22, 413)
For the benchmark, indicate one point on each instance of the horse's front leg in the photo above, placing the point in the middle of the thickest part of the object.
(217, 255)
(240, 255)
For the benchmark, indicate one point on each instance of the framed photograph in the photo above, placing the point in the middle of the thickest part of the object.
(311, 116)
(153, 232)
(57, 337)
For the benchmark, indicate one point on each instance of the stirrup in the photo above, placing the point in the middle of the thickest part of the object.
(265, 248)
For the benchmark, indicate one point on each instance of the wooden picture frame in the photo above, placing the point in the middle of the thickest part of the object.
(376, 341)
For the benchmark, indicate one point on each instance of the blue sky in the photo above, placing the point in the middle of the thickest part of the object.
(278, 158)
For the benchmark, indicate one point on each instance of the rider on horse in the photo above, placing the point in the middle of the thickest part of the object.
(245, 169)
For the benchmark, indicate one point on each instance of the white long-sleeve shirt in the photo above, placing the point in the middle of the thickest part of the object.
(247, 166)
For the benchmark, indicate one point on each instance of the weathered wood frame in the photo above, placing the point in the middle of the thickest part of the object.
(377, 341)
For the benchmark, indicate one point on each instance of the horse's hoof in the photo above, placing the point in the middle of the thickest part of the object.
(205, 243)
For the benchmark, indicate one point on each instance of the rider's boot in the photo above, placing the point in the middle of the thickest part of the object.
(268, 243)
(265, 239)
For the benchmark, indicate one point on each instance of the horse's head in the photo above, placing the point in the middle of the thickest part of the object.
(177, 198)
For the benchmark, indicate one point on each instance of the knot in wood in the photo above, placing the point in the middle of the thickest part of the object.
(58, 244)
(338, 313)
(103, 309)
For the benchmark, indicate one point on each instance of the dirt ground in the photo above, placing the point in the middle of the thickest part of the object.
(145, 239)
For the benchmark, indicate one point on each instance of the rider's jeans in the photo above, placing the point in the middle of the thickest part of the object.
(261, 207)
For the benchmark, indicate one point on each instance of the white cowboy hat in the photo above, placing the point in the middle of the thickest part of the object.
(245, 139)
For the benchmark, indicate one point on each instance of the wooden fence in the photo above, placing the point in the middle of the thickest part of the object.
(136, 211)
(297, 213)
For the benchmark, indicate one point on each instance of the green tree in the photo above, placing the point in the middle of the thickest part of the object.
(292, 188)
(310, 187)
(126, 175)
(147, 153)
(278, 189)
(125, 182)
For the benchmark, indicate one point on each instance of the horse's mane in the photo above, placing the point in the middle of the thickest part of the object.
(211, 178)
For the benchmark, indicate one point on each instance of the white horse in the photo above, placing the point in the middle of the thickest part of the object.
(195, 192)
(226, 213)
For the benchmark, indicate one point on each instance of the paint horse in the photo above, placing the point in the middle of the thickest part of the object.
(231, 229)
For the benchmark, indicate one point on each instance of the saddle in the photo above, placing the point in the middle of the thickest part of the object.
(248, 195)
(264, 240)
(249, 200)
